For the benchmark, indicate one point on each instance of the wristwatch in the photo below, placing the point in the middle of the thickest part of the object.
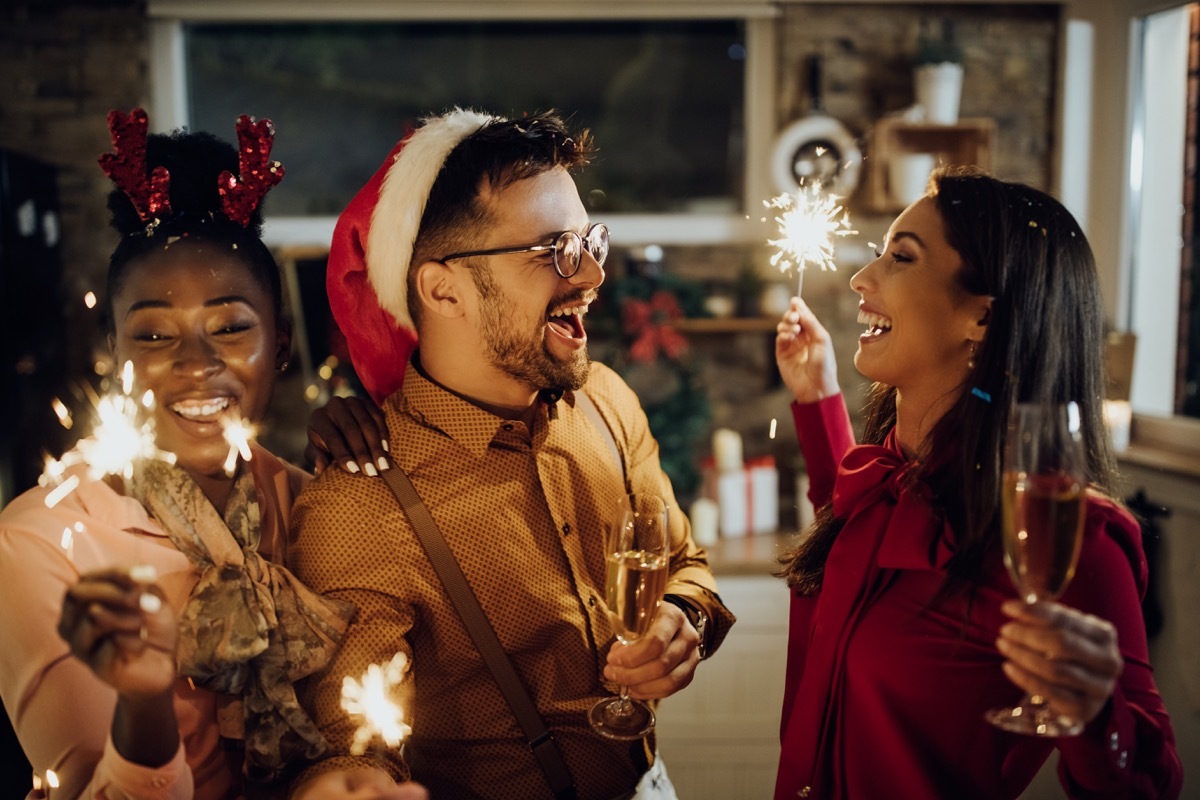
(697, 618)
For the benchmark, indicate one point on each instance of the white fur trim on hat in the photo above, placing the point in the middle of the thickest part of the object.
(402, 199)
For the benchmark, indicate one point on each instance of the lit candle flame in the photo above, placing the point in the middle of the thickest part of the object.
(371, 700)
(238, 432)
(51, 779)
(807, 220)
(89, 299)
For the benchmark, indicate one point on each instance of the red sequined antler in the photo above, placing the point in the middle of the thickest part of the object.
(241, 194)
(126, 166)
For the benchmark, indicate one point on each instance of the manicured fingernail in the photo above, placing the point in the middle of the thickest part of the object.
(369, 468)
(385, 445)
(351, 467)
(383, 464)
(150, 603)
(143, 573)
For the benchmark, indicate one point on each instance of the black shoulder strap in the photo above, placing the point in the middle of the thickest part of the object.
(541, 741)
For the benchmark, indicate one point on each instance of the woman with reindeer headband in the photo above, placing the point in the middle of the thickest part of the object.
(180, 635)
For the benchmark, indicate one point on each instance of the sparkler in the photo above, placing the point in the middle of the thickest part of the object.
(807, 220)
(238, 432)
(118, 438)
(370, 699)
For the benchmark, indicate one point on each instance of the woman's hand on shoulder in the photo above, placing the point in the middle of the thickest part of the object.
(804, 354)
(366, 783)
(350, 432)
(117, 621)
(1069, 657)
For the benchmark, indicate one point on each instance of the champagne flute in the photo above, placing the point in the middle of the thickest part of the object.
(1043, 505)
(636, 555)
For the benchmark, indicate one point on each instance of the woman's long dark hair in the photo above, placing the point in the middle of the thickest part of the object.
(1044, 343)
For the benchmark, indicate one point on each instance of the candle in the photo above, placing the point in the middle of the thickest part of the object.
(727, 449)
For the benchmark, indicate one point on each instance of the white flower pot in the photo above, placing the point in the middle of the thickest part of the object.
(938, 89)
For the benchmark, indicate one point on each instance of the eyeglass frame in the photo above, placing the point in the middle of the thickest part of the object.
(552, 246)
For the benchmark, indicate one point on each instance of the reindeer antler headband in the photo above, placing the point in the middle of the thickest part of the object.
(240, 194)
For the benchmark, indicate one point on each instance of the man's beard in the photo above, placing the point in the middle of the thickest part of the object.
(526, 358)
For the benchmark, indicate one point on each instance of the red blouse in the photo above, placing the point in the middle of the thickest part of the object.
(886, 694)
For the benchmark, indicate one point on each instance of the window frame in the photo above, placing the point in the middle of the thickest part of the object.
(169, 99)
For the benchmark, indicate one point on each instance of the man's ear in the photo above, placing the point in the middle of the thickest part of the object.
(437, 287)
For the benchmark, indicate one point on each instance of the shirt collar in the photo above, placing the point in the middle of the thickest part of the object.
(437, 407)
(100, 501)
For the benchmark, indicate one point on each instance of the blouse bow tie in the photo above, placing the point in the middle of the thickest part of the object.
(877, 481)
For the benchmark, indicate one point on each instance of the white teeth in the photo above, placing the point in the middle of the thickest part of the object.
(874, 322)
(195, 409)
(566, 312)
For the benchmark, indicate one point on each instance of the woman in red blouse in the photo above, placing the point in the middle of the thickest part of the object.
(905, 629)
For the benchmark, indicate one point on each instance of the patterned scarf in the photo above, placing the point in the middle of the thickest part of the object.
(249, 627)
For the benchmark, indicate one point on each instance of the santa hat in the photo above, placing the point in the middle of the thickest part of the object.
(367, 273)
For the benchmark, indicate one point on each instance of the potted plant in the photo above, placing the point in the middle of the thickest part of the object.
(938, 74)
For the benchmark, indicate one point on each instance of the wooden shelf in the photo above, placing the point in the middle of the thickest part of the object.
(967, 142)
(726, 325)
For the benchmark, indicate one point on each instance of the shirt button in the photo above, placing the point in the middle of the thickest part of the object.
(1114, 741)
(566, 529)
(1123, 759)
(805, 792)
(508, 426)
(158, 782)
(592, 601)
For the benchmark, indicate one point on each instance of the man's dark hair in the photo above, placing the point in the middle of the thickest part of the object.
(500, 153)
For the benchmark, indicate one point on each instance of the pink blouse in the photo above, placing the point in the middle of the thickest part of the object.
(61, 711)
(886, 692)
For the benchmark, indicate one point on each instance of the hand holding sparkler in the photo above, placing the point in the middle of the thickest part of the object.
(807, 221)
(804, 354)
(365, 783)
(116, 621)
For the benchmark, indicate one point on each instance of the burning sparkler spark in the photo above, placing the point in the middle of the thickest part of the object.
(238, 432)
(118, 439)
(808, 220)
(371, 701)
(62, 412)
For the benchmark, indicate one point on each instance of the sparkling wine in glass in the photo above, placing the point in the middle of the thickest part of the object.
(1043, 508)
(636, 555)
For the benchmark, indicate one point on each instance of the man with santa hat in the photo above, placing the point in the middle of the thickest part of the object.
(520, 450)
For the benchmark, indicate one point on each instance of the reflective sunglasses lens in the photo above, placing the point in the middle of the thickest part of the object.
(568, 251)
(597, 242)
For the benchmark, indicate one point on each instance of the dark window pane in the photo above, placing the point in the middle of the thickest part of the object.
(664, 99)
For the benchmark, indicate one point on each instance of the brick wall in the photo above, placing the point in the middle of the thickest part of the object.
(64, 65)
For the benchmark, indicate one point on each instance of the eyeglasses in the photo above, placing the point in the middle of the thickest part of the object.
(567, 248)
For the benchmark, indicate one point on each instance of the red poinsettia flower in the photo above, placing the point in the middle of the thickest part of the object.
(651, 325)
